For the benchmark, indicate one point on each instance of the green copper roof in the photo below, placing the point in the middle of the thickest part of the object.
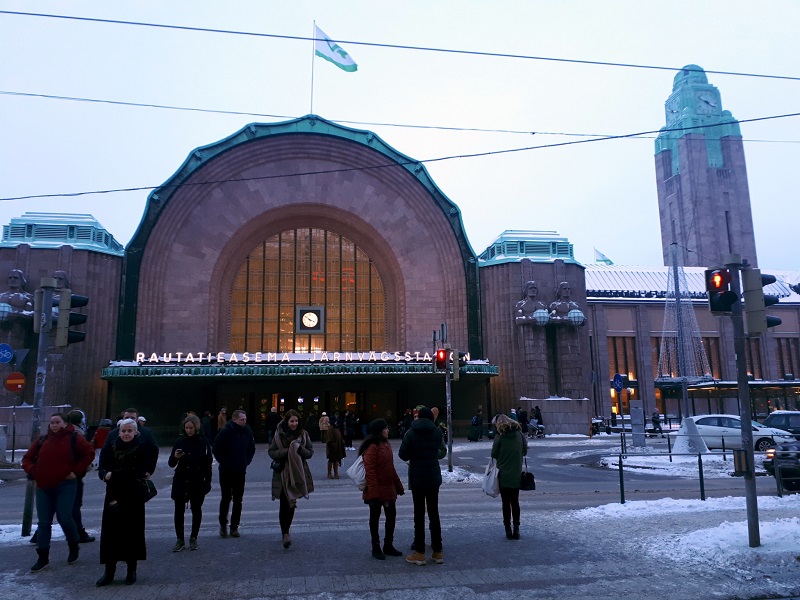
(284, 370)
(695, 107)
(538, 246)
(51, 230)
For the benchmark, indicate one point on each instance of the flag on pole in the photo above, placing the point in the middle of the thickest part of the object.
(326, 48)
(601, 258)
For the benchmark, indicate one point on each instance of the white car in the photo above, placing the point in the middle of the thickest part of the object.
(725, 431)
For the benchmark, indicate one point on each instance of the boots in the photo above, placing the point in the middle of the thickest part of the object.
(389, 549)
(515, 535)
(84, 537)
(34, 537)
(74, 549)
(376, 552)
(130, 578)
(509, 534)
(44, 560)
(108, 575)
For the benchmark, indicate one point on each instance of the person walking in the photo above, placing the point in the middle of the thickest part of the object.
(145, 435)
(349, 430)
(422, 448)
(656, 419)
(99, 438)
(508, 448)
(77, 419)
(290, 450)
(124, 466)
(54, 462)
(234, 448)
(324, 426)
(191, 458)
(222, 419)
(335, 452)
(273, 418)
(383, 487)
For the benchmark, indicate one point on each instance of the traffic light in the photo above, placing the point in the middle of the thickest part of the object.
(718, 287)
(38, 310)
(459, 360)
(66, 318)
(441, 359)
(756, 301)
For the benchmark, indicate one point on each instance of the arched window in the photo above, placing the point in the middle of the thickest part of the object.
(307, 267)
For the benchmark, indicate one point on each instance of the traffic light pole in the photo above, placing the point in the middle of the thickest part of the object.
(449, 418)
(734, 263)
(45, 319)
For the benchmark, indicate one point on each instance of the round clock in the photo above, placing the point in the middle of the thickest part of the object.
(310, 319)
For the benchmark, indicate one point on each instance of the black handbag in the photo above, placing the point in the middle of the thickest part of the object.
(148, 490)
(276, 465)
(526, 481)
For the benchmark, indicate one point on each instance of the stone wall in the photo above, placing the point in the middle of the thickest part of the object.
(562, 415)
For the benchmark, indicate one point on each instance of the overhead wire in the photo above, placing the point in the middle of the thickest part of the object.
(397, 163)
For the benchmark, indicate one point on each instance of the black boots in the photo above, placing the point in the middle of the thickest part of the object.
(74, 549)
(389, 549)
(515, 535)
(376, 552)
(130, 578)
(44, 560)
(108, 575)
(85, 538)
(509, 535)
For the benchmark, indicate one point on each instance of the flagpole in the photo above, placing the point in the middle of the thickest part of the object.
(313, 46)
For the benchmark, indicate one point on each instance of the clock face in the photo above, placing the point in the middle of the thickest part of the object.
(706, 103)
(673, 108)
(310, 319)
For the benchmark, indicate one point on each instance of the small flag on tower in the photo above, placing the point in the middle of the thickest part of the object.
(326, 48)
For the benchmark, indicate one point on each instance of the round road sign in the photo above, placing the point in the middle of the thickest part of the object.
(15, 381)
(6, 353)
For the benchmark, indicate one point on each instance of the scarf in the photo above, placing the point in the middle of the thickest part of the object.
(293, 475)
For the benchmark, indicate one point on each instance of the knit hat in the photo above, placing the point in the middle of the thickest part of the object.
(324, 414)
(425, 413)
(377, 426)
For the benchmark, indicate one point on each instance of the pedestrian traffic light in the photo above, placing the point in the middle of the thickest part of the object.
(718, 287)
(441, 359)
(756, 301)
(66, 318)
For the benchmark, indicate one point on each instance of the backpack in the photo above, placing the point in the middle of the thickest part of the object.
(475, 421)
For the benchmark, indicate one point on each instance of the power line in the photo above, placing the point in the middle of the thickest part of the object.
(343, 121)
(399, 163)
(394, 46)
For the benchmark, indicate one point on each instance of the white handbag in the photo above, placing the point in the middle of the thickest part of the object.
(491, 484)
(357, 473)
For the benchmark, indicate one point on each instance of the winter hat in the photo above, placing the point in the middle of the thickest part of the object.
(377, 426)
(426, 413)
(324, 414)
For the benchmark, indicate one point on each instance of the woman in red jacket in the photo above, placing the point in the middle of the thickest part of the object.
(54, 462)
(383, 486)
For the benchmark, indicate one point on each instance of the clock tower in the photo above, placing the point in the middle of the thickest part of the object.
(703, 196)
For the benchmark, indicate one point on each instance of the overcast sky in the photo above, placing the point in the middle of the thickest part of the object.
(600, 194)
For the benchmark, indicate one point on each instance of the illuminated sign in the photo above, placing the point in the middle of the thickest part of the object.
(205, 358)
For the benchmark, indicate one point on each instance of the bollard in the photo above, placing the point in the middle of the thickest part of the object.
(778, 478)
(724, 457)
(702, 484)
(621, 483)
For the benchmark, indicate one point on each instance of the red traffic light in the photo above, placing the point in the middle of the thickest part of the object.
(718, 280)
(441, 359)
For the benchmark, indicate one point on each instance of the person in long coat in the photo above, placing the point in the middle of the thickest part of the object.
(508, 448)
(383, 487)
(123, 467)
(290, 450)
(335, 452)
(191, 458)
(423, 447)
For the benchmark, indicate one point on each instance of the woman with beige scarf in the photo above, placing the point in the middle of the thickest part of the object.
(291, 478)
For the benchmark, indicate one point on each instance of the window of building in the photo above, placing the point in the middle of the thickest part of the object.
(711, 345)
(622, 360)
(307, 267)
(752, 351)
(788, 355)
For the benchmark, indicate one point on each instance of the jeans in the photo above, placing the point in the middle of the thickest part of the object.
(196, 504)
(76, 506)
(56, 501)
(426, 498)
(231, 485)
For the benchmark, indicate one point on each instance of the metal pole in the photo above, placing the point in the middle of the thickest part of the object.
(45, 319)
(449, 415)
(679, 337)
(733, 262)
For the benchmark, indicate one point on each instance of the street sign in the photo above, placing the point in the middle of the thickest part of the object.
(15, 381)
(618, 382)
(6, 353)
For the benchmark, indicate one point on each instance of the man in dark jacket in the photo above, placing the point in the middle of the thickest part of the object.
(234, 448)
(423, 447)
(273, 418)
(146, 435)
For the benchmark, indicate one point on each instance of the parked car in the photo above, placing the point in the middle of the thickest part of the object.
(788, 420)
(787, 456)
(724, 431)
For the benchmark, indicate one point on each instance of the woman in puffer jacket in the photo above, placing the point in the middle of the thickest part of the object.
(383, 486)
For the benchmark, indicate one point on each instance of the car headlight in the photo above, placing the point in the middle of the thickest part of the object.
(771, 453)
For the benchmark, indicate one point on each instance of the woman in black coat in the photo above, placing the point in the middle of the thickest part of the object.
(123, 467)
(191, 458)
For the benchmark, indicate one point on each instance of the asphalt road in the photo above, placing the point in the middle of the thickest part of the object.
(557, 557)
